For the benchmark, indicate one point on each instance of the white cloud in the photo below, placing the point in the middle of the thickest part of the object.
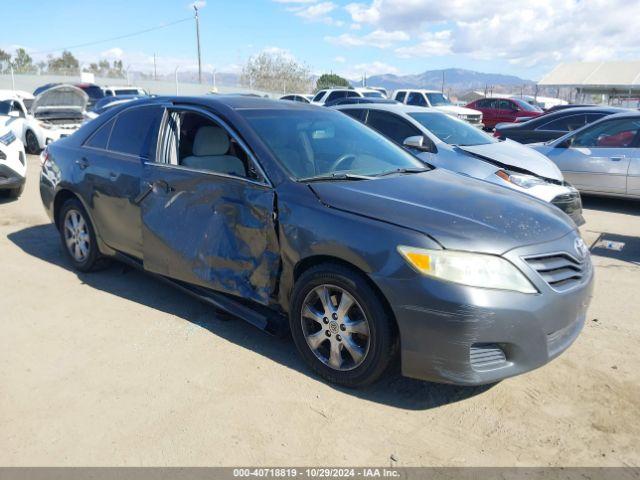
(527, 32)
(314, 12)
(339, 59)
(373, 68)
(431, 44)
(377, 38)
(112, 54)
(199, 4)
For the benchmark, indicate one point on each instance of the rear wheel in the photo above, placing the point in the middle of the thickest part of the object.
(77, 236)
(341, 327)
(32, 146)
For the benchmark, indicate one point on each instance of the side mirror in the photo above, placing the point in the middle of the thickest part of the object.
(14, 114)
(416, 142)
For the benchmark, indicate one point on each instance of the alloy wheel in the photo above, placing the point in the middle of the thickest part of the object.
(335, 327)
(76, 235)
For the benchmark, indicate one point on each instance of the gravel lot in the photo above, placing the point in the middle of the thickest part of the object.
(115, 368)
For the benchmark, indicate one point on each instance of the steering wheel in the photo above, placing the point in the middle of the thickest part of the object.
(342, 159)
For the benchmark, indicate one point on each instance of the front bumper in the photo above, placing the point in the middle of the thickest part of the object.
(471, 336)
(10, 179)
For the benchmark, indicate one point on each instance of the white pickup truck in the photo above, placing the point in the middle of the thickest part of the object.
(439, 101)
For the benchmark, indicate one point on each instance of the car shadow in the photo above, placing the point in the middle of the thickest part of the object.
(610, 204)
(42, 242)
(619, 247)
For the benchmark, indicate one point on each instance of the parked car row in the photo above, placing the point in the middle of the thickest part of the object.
(303, 219)
(446, 142)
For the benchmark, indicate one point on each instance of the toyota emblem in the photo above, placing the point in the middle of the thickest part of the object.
(581, 248)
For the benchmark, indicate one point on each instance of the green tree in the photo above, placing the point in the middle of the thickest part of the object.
(329, 80)
(65, 64)
(22, 62)
(5, 61)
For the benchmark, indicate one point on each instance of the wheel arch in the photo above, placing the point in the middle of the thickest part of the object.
(307, 263)
(64, 194)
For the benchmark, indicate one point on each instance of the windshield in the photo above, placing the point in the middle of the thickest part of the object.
(438, 99)
(527, 106)
(5, 107)
(451, 130)
(313, 143)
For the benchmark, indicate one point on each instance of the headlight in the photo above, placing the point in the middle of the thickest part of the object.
(473, 269)
(462, 116)
(520, 179)
(8, 138)
(45, 125)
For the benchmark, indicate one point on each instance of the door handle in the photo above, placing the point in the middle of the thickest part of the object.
(617, 159)
(82, 163)
(160, 186)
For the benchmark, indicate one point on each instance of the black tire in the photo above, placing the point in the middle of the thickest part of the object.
(92, 260)
(382, 343)
(32, 146)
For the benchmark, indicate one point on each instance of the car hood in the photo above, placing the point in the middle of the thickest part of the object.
(514, 154)
(454, 110)
(60, 100)
(459, 212)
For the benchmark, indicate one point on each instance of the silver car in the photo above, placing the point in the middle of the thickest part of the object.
(446, 142)
(602, 158)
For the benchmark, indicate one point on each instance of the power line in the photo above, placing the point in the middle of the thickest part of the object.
(133, 34)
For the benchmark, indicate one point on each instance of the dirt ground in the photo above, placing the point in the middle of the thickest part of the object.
(115, 368)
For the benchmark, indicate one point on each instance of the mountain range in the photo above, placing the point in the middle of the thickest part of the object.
(456, 79)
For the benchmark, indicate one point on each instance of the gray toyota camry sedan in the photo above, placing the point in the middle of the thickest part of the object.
(297, 218)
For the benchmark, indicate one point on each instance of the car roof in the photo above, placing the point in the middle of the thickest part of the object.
(234, 102)
(390, 107)
(421, 90)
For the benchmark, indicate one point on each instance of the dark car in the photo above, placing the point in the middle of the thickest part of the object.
(557, 108)
(499, 110)
(93, 91)
(296, 217)
(553, 125)
(108, 102)
(357, 100)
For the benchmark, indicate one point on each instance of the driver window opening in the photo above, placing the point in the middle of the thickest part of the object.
(195, 141)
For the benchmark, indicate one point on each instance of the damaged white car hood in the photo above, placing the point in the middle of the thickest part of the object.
(514, 154)
(61, 100)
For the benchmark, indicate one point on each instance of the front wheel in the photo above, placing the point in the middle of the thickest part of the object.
(32, 146)
(341, 327)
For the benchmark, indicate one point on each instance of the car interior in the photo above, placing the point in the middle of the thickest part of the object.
(196, 141)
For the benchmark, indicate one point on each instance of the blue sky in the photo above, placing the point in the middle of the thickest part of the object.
(521, 37)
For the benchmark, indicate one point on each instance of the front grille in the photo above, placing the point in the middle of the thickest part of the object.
(486, 356)
(561, 271)
(473, 118)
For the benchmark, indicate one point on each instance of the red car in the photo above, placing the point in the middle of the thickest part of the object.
(499, 110)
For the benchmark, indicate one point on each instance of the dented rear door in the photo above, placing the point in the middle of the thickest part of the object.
(210, 230)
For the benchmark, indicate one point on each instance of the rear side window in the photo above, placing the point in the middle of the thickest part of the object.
(319, 95)
(136, 131)
(566, 124)
(101, 136)
(392, 126)
(400, 96)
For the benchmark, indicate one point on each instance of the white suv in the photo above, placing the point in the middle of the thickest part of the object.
(438, 100)
(330, 94)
